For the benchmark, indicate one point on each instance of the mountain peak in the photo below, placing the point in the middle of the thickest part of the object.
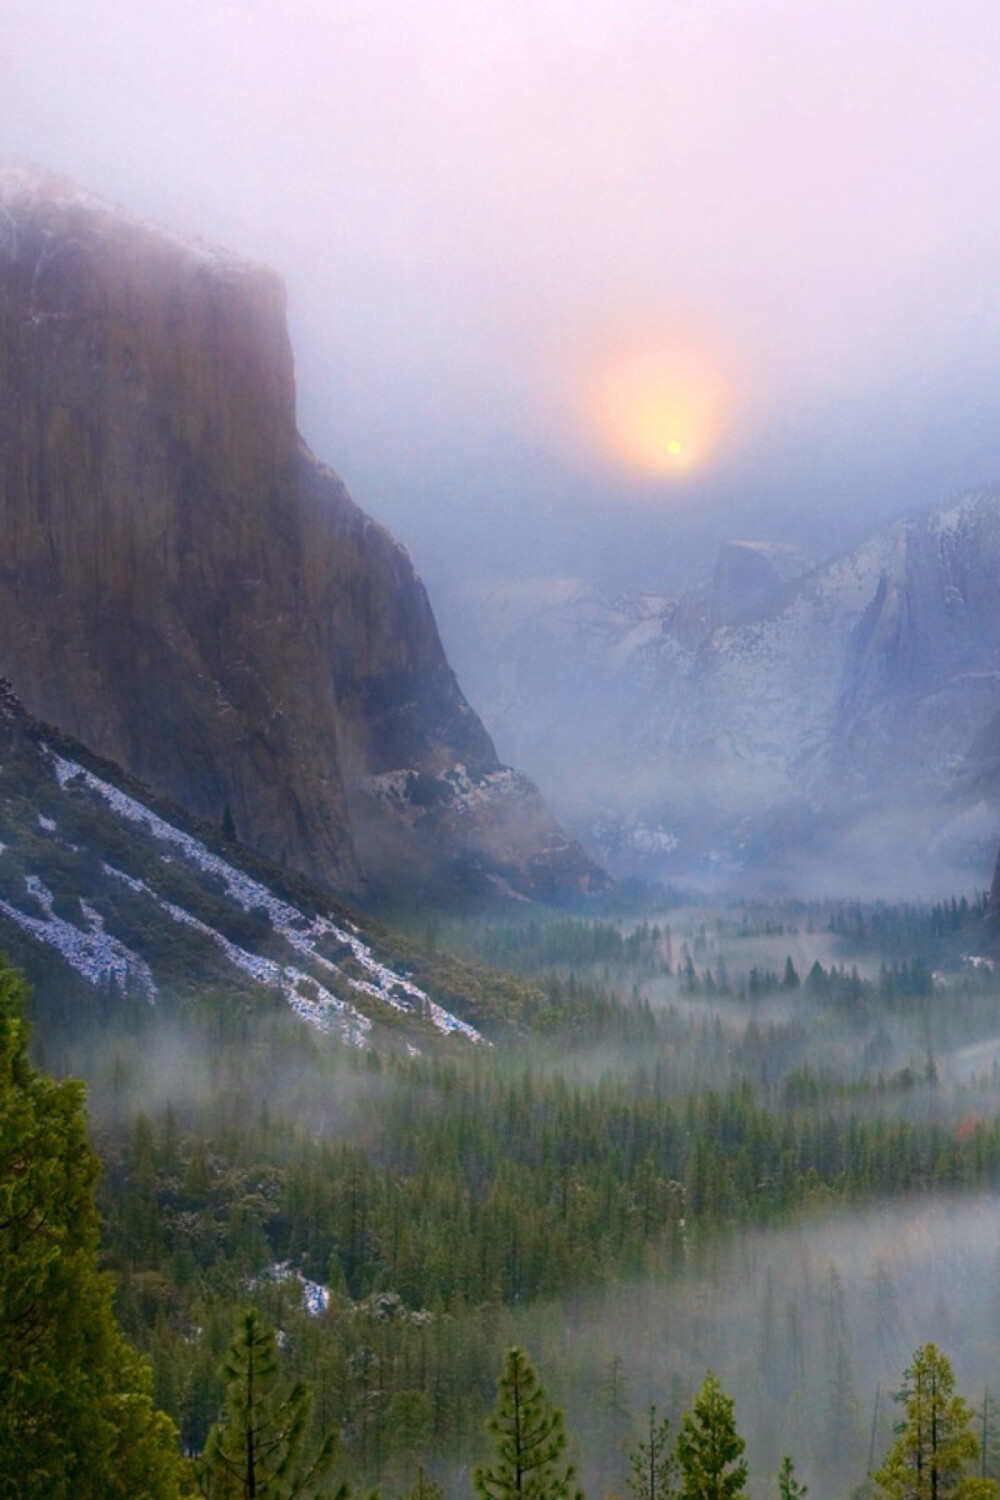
(187, 591)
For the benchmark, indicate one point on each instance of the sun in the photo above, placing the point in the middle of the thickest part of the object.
(659, 409)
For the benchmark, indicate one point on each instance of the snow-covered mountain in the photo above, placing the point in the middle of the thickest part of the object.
(825, 724)
(106, 891)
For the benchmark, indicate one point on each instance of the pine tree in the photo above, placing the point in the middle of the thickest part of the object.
(843, 1435)
(423, 1488)
(529, 1439)
(255, 1449)
(409, 1421)
(790, 1488)
(709, 1447)
(617, 1421)
(935, 1445)
(989, 1437)
(76, 1415)
(653, 1466)
(886, 1312)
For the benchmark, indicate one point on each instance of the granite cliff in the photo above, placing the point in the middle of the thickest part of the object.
(828, 727)
(186, 590)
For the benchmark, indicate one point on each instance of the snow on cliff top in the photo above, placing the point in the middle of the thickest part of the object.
(965, 512)
(26, 185)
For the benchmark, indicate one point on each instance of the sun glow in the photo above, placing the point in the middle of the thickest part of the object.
(660, 410)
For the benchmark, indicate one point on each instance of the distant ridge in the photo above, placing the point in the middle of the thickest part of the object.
(822, 727)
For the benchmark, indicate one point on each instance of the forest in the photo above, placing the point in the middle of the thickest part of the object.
(746, 1155)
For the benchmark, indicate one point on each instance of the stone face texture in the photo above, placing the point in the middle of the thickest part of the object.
(182, 586)
(398, 701)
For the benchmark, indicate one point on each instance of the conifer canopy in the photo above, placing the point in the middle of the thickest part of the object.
(76, 1416)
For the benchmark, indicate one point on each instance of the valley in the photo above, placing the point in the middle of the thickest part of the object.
(760, 1138)
(671, 1058)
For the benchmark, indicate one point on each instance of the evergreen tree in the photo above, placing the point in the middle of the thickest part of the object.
(843, 1436)
(790, 1488)
(255, 1449)
(935, 1444)
(887, 1315)
(617, 1421)
(529, 1439)
(423, 1488)
(409, 1426)
(653, 1465)
(769, 1363)
(790, 979)
(710, 1448)
(76, 1415)
(836, 1336)
(989, 1437)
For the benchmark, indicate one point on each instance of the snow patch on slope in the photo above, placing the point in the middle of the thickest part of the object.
(95, 954)
(315, 1296)
(304, 934)
(309, 999)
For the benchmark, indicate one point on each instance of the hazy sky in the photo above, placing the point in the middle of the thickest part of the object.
(577, 285)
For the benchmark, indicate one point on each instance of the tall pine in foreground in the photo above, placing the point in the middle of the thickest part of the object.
(255, 1451)
(710, 1448)
(935, 1448)
(76, 1417)
(529, 1439)
(653, 1465)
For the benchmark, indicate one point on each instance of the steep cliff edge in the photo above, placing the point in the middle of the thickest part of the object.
(187, 591)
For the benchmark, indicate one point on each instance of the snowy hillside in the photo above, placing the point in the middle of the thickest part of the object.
(131, 901)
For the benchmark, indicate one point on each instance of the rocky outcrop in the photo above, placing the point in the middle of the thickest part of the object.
(846, 716)
(749, 576)
(183, 587)
(847, 710)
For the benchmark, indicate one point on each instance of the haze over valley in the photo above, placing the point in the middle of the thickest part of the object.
(499, 750)
(786, 725)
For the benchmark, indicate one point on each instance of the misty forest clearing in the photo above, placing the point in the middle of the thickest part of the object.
(507, 1012)
(761, 1140)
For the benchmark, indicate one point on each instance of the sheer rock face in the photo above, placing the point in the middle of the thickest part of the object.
(182, 586)
(837, 723)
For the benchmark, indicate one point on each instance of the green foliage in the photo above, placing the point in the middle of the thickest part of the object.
(542, 942)
(461, 1187)
(653, 1464)
(76, 1417)
(444, 1198)
(423, 1488)
(528, 1439)
(709, 1447)
(901, 929)
(255, 1449)
(789, 1487)
(935, 1444)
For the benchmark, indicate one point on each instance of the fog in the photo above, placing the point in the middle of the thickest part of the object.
(809, 1324)
(578, 291)
(809, 1329)
(481, 211)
